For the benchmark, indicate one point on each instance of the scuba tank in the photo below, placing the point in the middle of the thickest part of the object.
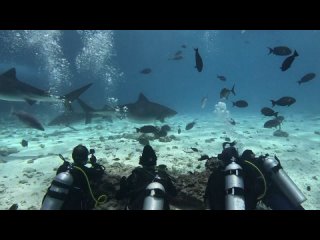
(58, 191)
(283, 181)
(155, 197)
(234, 187)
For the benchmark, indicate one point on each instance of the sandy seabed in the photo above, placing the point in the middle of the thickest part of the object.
(26, 172)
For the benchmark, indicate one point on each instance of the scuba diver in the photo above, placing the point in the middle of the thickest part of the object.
(147, 188)
(240, 182)
(71, 187)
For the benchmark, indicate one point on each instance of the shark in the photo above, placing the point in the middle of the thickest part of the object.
(107, 111)
(67, 118)
(12, 89)
(70, 117)
(144, 110)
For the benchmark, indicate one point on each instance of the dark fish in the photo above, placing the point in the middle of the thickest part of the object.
(183, 46)
(24, 143)
(161, 133)
(268, 112)
(280, 51)
(176, 58)
(279, 133)
(179, 130)
(199, 63)
(284, 101)
(272, 123)
(204, 102)
(232, 121)
(178, 53)
(288, 61)
(203, 157)
(166, 127)
(146, 71)
(224, 93)
(190, 125)
(148, 129)
(307, 78)
(240, 104)
(222, 78)
(195, 149)
(29, 120)
(13, 207)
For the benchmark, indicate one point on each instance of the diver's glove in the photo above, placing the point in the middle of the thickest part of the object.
(93, 160)
(95, 165)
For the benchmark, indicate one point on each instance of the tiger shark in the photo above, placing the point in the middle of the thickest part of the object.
(67, 118)
(12, 89)
(144, 110)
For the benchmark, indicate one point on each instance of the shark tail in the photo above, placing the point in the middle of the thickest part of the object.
(70, 97)
(232, 90)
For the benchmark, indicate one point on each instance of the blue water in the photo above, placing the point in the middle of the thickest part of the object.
(63, 60)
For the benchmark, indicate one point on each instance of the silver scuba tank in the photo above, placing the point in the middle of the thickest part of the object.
(234, 187)
(58, 191)
(154, 200)
(283, 181)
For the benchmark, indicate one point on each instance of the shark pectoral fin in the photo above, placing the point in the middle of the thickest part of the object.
(30, 101)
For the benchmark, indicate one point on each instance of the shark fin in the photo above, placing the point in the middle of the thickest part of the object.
(11, 73)
(30, 101)
(142, 98)
(70, 97)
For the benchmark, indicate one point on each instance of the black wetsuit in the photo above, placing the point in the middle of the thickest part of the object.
(134, 187)
(79, 197)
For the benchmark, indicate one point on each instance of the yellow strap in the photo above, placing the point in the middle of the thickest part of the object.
(101, 199)
(264, 180)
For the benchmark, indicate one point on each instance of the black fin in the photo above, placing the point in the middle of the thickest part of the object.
(70, 97)
(11, 73)
(142, 98)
